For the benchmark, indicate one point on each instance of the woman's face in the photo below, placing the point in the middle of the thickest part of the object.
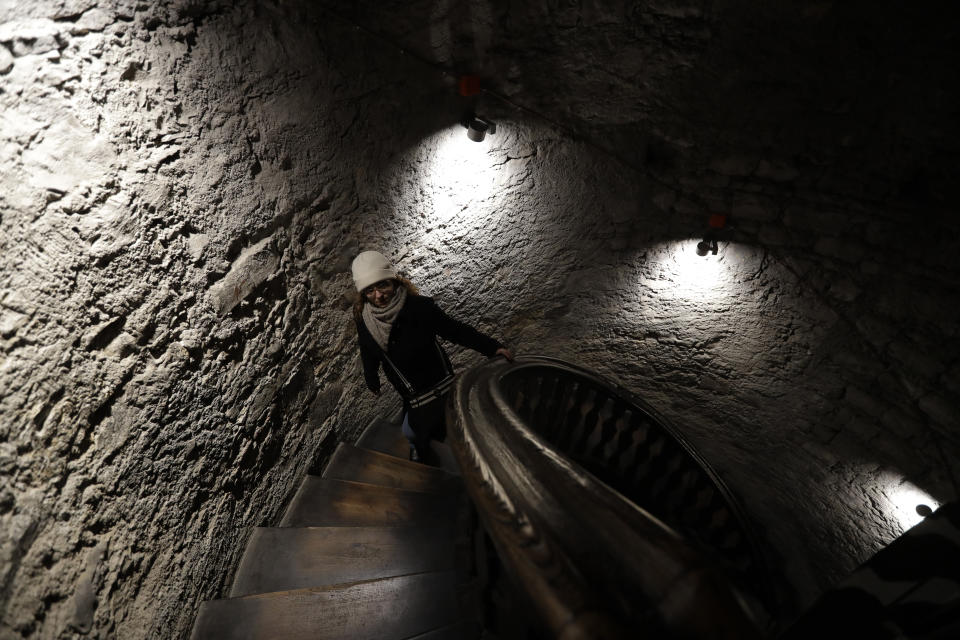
(379, 294)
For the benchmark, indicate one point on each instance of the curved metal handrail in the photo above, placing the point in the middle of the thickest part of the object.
(626, 443)
(594, 563)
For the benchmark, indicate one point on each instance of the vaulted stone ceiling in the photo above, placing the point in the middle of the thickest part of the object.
(857, 98)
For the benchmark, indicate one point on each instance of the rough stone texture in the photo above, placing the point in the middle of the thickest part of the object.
(811, 362)
(179, 207)
(183, 185)
(853, 98)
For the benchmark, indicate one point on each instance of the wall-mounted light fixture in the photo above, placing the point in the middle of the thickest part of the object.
(716, 225)
(478, 128)
(707, 245)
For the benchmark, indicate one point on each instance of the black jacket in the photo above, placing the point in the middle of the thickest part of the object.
(414, 349)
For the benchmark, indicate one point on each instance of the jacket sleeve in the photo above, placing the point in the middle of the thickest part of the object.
(371, 361)
(461, 333)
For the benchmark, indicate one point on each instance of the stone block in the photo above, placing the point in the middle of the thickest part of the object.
(875, 329)
(68, 155)
(84, 599)
(901, 454)
(716, 180)
(864, 401)
(844, 289)
(748, 227)
(664, 200)
(595, 279)
(776, 170)
(870, 268)
(196, 243)
(824, 221)
(121, 346)
(846, 445)
(754, 207)
(12, 321)
(715, 383)
(927, 302)
(950, 380)
(865, 430)
(840, 248)
(904, 423)
(774, 235)
(897, 383)
(251, 268)
(913, 361)
(30, 36)
(95, 19)
(6, 59)
(943, 410)
(735, 165)
(858, 363)
(883, 233)
(684, 206)
(823, 431)
(821, 453)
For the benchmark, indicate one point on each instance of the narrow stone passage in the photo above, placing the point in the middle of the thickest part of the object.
(184, 183)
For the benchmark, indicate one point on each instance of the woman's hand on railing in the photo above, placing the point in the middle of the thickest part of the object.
(506, 353)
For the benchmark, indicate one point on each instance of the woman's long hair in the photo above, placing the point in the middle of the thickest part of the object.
(400, 281)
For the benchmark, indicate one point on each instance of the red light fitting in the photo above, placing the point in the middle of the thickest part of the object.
(717, 221)
(716, 228)
(469, 85)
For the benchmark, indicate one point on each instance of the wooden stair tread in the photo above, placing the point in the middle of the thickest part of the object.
(459, 631)
(281, 559)
(447, 460)
(374, 467)
(386, 437)
(323, 502)
(385, 609)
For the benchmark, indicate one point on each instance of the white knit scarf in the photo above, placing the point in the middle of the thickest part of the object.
(379, 320)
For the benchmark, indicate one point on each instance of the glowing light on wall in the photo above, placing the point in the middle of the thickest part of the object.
(684, 275)
(904, 499)
(461, 178)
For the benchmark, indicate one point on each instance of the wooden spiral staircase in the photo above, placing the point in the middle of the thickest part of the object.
(604, 521)
(376, 548)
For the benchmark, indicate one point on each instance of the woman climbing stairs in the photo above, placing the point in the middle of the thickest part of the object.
(377, 547)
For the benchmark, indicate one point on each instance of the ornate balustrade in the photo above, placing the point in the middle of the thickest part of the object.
(609, 521)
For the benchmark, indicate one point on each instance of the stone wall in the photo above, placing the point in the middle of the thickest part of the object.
(179, 193)
(812, 365)
(182, 188)
(815, 360)
(846, 97)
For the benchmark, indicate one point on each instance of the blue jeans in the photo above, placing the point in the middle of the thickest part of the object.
(407, 431)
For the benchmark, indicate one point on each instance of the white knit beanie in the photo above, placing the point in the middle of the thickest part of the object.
(370, 267)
